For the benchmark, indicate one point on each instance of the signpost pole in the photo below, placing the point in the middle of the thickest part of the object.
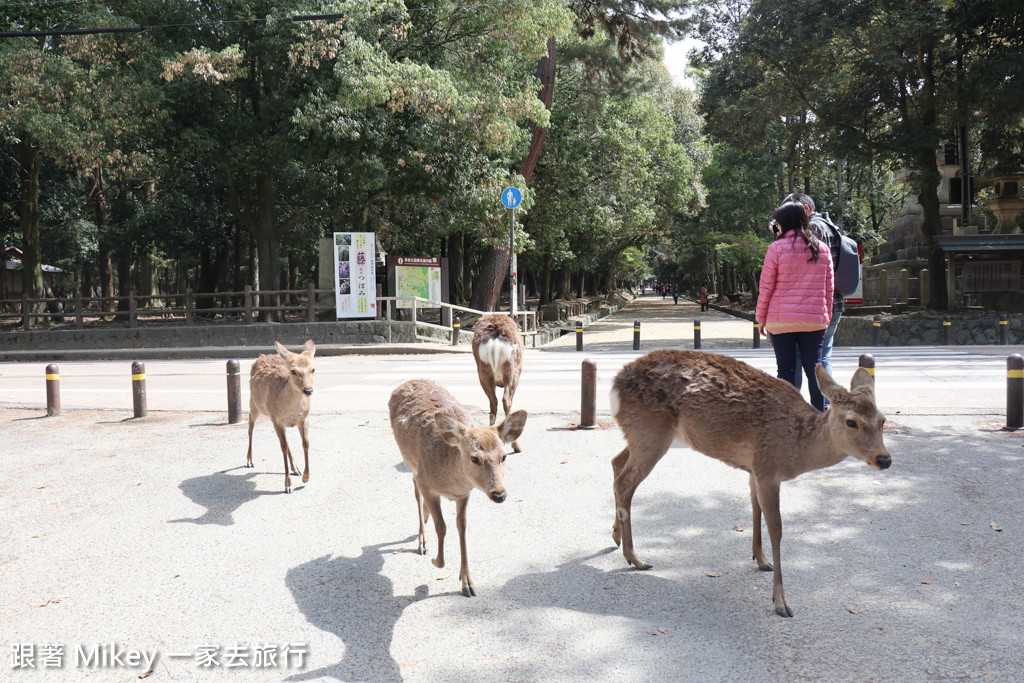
(512, 264)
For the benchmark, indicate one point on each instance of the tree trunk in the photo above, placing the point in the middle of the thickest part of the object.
(29, 163)
(544, 290)
(487, 288)
(456, 270)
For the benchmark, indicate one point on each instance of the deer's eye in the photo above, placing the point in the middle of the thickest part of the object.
(503, 458)
(851, 424)
(295, 372)
(312, 370)
(475, 460)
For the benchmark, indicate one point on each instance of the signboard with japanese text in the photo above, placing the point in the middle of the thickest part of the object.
(417, 276)
(991, 276)
(355, 276)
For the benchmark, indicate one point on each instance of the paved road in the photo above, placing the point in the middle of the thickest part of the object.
(149, 534)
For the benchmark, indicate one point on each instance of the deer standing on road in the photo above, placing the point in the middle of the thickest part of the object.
(724, 408)
(449, 456)
(280, 387)
(498, 351)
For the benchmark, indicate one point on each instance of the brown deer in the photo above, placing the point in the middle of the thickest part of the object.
(724, 408)
(498, 351)
(449, 456)
(280, 387)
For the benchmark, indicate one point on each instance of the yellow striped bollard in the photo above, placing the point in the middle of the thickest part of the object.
(1014, 391)
(636, 335)
(139, 388)
(1003, 325)
(234, 392)
(947, 328)
(876, 330)
(52, 390)
(757, 335)
(696, 334)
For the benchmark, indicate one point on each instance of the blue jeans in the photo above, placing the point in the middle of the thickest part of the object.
(809, 346)
(826, 347)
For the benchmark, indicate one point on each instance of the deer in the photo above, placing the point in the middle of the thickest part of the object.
(733, 412)
(498, 351)
(449, 455)
(280, 387)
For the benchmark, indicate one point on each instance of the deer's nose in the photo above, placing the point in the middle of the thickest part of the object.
(883, 462)
(308, 392)
(498, 496)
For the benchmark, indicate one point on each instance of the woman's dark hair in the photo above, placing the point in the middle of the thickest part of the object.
(793, 216)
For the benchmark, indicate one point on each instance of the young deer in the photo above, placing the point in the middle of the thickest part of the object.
(280, 387)
(724, 408)
(498, 351)
(449, 456)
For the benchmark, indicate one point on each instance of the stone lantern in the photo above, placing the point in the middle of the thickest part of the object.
(1006, 202)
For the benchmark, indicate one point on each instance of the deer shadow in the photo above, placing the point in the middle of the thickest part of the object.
(221, 494)
(350, 597)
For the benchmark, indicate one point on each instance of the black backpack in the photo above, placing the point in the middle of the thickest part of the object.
(847, 257)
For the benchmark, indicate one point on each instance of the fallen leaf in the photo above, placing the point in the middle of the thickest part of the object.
(563, 462)
(995, 526)
(737, 527)
(928, 581)
(966, 523)
(608, 588)
(40, 487)
(146, 674)
(715, 574)
(851, 609)
(363, 424)
(411, 662)
(662, 629)
(48, 602)
(442, 577)
(653, 633)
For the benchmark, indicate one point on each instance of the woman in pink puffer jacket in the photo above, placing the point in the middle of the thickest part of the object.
(795, 299)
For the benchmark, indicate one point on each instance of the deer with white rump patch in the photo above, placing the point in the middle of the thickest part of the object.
(280, 387)
(726, 409)
(498, 350)
(449, 456)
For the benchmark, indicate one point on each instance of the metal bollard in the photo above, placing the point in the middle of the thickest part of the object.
(52, 390)
(1002, 329)
(757, 336)
(867, 361)
(947, 328)
(456, 329)
(579, 335)
(588, 394)
(636, 335)
(1014, 391)
(139, 388)
(876, 331)
(234, 393)
(696, 334)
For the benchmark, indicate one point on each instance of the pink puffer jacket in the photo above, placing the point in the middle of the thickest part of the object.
(793, 289)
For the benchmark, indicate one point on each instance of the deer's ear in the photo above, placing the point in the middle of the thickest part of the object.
(283, 352)
(863, 378)
(451, 430)
(309, 348)
(829, 388)
(512, 426)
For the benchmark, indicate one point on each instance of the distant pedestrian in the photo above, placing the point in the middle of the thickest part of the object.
(675, 296)
(703, 298)
(795, 301)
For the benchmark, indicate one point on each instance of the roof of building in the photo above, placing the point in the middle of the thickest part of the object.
(973, 244)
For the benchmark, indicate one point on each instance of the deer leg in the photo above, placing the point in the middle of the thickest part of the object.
(762, 561)
(460, 523)
(617, 464)
(304, 433)
(253, 415)
(768, 496)
(433, 505)
(640, 459)
(287, 456)
(506, 403)
(424, 515)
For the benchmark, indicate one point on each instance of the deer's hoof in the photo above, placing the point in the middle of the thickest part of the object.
(422, 550)
(783, 610)
(305, 477)
(639, 564)
(469, 591)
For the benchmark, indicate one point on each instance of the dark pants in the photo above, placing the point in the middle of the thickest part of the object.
(809, 346)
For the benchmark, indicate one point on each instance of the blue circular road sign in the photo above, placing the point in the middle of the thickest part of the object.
(511, 197)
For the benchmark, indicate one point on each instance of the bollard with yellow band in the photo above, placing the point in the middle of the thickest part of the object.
(947, 328)
(1014, 391)
(636, 335)
(588, 394)
(52, 390)
(876, 330)
(696, 334)
(757, 335)
(456, 330)
(234, 392)
(867, 361)
(579, 335)
(139, 389)
(1003, 326)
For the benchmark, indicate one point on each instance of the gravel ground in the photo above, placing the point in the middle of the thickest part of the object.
(150, 535)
